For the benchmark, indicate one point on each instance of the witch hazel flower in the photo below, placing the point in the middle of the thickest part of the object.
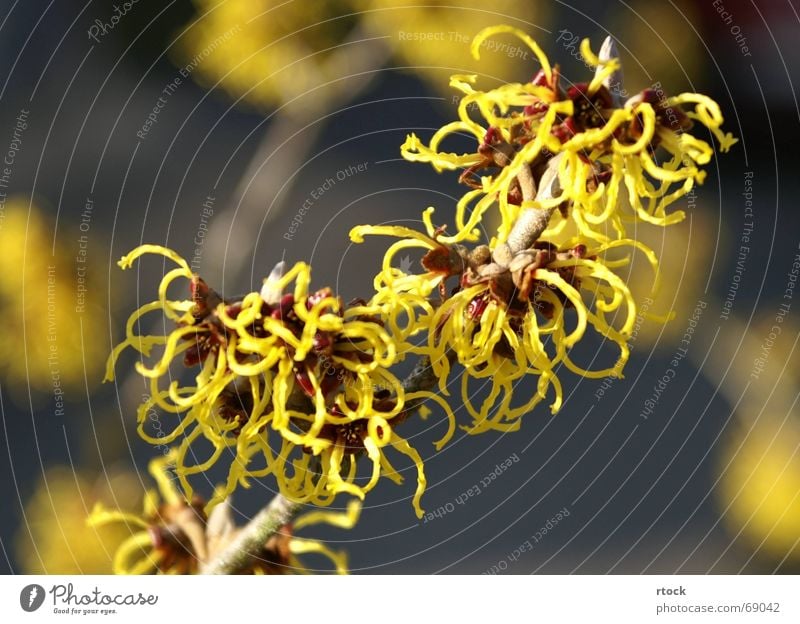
(292, 383)
(620, 161)
(173, 535)
(505, 315)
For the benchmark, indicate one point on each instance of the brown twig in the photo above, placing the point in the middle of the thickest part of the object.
(249, 543)
(532, 221)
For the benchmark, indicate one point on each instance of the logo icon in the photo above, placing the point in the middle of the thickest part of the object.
(405, 264)
(31, 597)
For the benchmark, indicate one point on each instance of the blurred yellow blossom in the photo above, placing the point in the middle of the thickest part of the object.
(760, 488)
(173, 536)
(269, 53)
(681, 250)
(42, 307)
(661, 42)
(54, 538)
(433, 38)
(757, 368)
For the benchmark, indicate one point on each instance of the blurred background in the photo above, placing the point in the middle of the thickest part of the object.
(206, 126)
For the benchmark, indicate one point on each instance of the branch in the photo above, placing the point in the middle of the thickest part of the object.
(421, 378)
(249, 543)
(532, 221)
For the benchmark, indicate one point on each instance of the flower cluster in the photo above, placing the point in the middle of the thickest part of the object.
(565, 170)
(294, 384)
(504, 322)
(173, 536)
(608, 168)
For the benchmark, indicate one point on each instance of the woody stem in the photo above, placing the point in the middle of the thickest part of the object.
(253, 536)
(533, 221)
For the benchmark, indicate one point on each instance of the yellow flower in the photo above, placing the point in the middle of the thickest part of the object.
(270, 53)
(292, 385)
(433, 37)
(609, 172)
(760, 486)
(54, 538)
(504, 322)
(49, 323)
(756, 367)
(173, 536)
(655, 35)
(265, 52)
